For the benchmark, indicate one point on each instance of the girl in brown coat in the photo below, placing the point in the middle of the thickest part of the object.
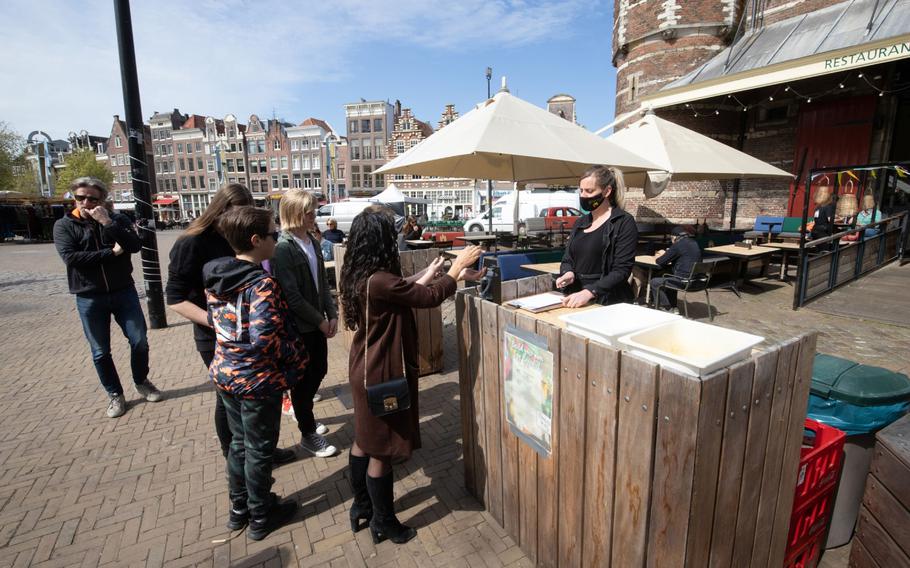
(371, 282)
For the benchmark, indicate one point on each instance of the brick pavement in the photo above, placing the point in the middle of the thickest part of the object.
(77, 488)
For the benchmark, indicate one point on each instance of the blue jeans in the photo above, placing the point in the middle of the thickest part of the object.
(95, 311)
(254, 425)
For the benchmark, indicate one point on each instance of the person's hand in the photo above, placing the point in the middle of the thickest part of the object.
(472, 275)
(325, 328)
(118, 250)
(100, 215)
(565, 280)
(333, 327)
(659, 253)
(466, 258)
(431, 271)
(578, 299)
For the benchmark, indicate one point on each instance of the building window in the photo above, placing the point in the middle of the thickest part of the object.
(192, 182)
(367, 176)
(284, 181)
(365, 125)
(355, 149)
(199, 164)
(633, 89)
(306, 162)
(378, 152)
(261, 146)
(399, 147)
(240, 165)
(273, 163)
(316, 161)
(377, 125)
(190, 164)
(277, 145)
(230, 165)
(201, 182)
(316, 144)
(183, 182)
(317, 182)
(118, 143)
(198, 146)
(296, 164)
(262, 169)
(379, 179)
(180, 148)
(182, 164)
(284, 162)
(355, 176)
(213, 184)
(210, 165)
(367, 151)
(352, 126)
(296, 181)
(274, 182)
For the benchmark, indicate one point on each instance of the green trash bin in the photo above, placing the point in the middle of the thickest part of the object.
(860, 400)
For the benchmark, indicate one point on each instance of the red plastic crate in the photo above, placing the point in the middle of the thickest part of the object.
(821, 459)
(808, 555)
(811, 520)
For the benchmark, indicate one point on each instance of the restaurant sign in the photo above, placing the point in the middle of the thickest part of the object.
(527, 370)
(868, 56)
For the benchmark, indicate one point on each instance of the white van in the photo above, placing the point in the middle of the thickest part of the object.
(343, 212)
(530, 204)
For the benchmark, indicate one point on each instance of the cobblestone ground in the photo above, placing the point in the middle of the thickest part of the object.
(77, 488)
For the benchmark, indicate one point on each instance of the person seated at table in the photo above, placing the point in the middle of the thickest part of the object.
(409, 231)
(601, 250)
(682, 255)
(333, 234)
(823, 223)
(870, 214)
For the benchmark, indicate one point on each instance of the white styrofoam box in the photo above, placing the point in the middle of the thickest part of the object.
(609, 323)
(691, 347)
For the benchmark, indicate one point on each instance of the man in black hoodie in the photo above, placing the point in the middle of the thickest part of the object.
(96, 246)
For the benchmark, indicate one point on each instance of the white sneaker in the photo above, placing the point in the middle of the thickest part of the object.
(317, 397)
(321, 429)
(117, 406)
(317, 445)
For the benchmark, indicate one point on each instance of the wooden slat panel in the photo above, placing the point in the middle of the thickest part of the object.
(491, 390)
(790, 463)
(888, 511)
(870, 254)
(527, 474)
(544, 283)
(600, 453)
(774, 452)
(733, 450)
(879, 543)
(892, 472)
(435, 355)
(707, 466)
(846, 264)
(572, 381)
(508, 291)
(509, 460)
(860, 557)
(755, 456)
(464, 389)
(548, 468)
(475, 369)
(674, 468)
(526, 287)
(634, 459)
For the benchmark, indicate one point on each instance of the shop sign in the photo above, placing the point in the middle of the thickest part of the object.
(867, 56)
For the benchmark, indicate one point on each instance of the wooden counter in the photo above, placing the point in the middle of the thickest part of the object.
(646, 466)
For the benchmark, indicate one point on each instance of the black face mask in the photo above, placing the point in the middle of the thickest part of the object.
(591, 203)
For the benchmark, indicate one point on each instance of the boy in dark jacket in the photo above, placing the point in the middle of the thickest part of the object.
(96, 245)
(257, 356)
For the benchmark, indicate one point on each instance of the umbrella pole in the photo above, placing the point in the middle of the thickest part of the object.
(490, 205)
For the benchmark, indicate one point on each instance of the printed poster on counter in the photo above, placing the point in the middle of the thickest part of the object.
(527, 370)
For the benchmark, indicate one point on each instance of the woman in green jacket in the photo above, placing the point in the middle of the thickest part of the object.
(299, 268)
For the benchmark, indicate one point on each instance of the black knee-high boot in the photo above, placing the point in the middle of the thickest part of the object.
(384, 525)
(362, 508)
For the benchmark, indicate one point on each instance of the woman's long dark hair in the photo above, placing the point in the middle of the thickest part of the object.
(233, 195)
(372, 247)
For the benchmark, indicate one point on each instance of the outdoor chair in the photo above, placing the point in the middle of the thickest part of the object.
(698, 281)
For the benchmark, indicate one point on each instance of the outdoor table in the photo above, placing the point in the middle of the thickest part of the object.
(587, 455)
(786, 249)
(743, 255)
(648, 261)
(544, 267)
(483, 240)
(419, 243)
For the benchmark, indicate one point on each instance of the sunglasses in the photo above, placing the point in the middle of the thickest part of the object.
(273, 234)
(88, 198)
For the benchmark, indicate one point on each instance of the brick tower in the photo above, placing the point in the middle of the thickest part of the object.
(656, 42)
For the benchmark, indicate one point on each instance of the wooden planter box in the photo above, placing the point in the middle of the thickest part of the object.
(647, 466)
(429, 321)
(883, 533)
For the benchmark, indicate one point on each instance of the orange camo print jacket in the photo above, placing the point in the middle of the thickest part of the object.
(258, 352)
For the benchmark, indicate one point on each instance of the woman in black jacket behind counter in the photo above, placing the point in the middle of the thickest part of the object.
(601, 250)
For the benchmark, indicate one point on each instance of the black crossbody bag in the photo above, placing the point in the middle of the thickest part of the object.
(393, 395)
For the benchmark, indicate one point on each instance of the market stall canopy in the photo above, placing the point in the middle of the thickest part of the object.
(506, 138)
(392, 194)
(165, 201)
(834, 39)
(685, 155)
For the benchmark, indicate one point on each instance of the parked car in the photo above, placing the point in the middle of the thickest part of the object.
(560, 218)
(531, 203)
(343, 212)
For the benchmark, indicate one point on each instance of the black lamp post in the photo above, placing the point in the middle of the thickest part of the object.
(489, 182)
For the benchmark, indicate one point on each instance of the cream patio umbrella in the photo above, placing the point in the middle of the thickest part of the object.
(685, 155)
(507, 138)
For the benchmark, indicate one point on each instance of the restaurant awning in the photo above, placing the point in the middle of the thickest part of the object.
(165, 201)
(839, 38)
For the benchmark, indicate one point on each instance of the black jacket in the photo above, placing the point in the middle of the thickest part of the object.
(87, 249)
(620, 239)
(184, 276)
(683, 254)
(310, 302)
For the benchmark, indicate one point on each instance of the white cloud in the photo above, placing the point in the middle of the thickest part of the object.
(61, 67)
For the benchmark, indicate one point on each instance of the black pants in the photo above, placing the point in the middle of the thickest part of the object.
(667, 297)
(317, 347)
(222, 429)
(254, 424)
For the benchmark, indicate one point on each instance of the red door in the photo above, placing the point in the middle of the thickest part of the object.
(835, 133)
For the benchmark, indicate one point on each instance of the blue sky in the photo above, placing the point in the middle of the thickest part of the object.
(300, 59)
